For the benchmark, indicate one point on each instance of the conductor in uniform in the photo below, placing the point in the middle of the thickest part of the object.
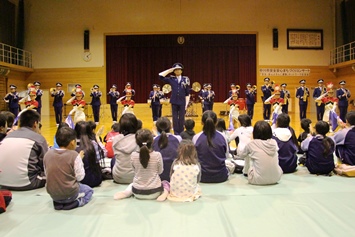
(180, 94)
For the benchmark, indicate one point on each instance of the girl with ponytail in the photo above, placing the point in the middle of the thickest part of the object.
(167, 144)
(147, 165)
(212, 151)
(320, 149)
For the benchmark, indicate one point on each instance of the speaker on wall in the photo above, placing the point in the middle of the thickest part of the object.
(275, 38)
(86, 40)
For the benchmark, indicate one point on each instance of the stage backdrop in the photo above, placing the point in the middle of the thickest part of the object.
(218, 59)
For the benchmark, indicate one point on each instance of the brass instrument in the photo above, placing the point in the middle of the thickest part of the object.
(52, 90)
(272, 83)
(254, 88)
(166, 88)
(196, 87)
(305, 94)
(238, 87)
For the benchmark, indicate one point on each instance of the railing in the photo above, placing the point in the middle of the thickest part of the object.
(342, 54)
(12, 55)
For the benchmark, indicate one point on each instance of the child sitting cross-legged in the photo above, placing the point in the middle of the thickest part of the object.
(185, 174)
(147, 165)
(64, 170)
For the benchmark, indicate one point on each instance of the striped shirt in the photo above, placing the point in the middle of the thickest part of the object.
(147, 178)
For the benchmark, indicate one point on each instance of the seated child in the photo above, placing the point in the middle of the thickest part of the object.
(3, 126)
(243, 133)
(261, 157)
(147, 165)
(108, 139)
(306, 126)
(64, 170)
(344, 140)
(185, 174)
(320, 148)
(189, 132)
(287, 143)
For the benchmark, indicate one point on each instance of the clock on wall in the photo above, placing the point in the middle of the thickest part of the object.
(87, 56)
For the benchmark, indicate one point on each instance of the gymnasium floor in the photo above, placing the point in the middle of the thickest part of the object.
(299, 205)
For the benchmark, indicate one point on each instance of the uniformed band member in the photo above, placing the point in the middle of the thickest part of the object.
(96, 102)
(208, 98)
(200, 95)
(234, 89)
(318, 91)
(155, 96)
(180, 97)
(39, 94)
(285, 95)
(343, 95)
(302, 94)
(13, 99)
(267, 91)
(114, 95)
(128, 88)
(58, 95)
(250, 94)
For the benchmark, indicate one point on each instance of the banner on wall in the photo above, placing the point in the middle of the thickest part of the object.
(284, 72)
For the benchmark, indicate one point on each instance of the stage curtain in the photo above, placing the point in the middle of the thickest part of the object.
(218, 59)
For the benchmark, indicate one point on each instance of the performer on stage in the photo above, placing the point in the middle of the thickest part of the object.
(234, 89)
(343, 95)
(330, 103)
(114, 95)
(276, 101)
(162, 99)
(96, 102)
(235, 106)
(58, 95)
(128, 88)
(267, 89)
(127, 102)
(155, 96)
(77, 88)
(39, 94)
(208, 98)
(302, 94)
(250, 94)
(284, 94)
(32, 103)
(318, 91)
(78, 106)
(180, 96)
(13, 99)
(200, 95)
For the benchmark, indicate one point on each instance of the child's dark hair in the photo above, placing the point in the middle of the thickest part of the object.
(163, 126)
(244, 120)
(322, 128)
(189, 124)
(64, 136)
(262, 130)
(3, 120)
(144, 139)
(350, 118)
(187, 153)
(10, 117)
(209, 120)
(221, 125)
(85, 133)
(139, 124)
(28, 118)
(283, 121)
(128, 124)
(305, 122)
(115, 127)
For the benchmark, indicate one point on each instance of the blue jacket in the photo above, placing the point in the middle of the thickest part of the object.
(343, 100)
(179, 91)
(300, 93)
(250, 96)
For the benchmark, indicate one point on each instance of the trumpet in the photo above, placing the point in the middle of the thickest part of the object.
(52, 90)
(238, 87)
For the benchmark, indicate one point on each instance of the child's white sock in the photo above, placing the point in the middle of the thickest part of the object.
(124, 194)
(163, 196)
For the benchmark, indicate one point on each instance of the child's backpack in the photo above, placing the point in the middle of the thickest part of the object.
(108, 145)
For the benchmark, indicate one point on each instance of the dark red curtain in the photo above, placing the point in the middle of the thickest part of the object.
(217, 59)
